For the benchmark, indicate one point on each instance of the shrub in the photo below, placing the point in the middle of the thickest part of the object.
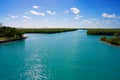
(103, 38)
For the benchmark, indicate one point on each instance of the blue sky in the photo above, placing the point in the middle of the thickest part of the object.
(60, 13)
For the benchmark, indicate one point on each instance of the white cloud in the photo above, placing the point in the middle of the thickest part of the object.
(75, 10)
(34, 12)
(50, 12)
(77, 17)
(35, 7)
(92, 22)
(37, 13)
(85, 21)
(26, 17)
(88, 21)
(106, 15)
(15, 16)
(66, 11)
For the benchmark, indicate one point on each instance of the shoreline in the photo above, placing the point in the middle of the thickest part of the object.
(47, 30)
(111, 43)
(12, 40)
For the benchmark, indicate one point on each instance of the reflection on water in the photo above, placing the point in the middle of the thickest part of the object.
(33, 69)
(33, 66)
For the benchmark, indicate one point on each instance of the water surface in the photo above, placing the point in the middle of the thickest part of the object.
(62, 56)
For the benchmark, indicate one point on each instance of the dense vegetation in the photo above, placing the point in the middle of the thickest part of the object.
(114, 33)
(113, 40)
(48, 30)
(103, 31)
(8, 32)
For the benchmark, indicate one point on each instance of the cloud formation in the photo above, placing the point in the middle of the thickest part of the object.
(37, 13)
(50, 12)
(106, 15)
(87, 21)
(66, 11)
(75, 10)
(77, 17)
(35, 7)
(15, 16)
(26, 17)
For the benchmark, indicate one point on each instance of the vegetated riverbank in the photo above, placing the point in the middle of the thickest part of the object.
(114, 33)
(47, 30)
(12, 39)
(112, 40)
(103, 31)
(9, 34)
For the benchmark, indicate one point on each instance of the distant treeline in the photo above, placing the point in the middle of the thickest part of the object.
(10, 32)
(48, 30)
(103, 31)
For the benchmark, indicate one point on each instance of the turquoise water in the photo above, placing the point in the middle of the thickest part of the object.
(62, 56)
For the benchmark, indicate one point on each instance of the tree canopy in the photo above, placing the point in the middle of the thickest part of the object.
(10, 32)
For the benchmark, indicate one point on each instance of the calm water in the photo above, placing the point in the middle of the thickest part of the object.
(63, 56)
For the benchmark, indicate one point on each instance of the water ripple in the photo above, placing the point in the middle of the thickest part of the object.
(33, 69)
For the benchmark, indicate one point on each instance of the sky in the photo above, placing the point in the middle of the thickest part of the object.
(60, 13)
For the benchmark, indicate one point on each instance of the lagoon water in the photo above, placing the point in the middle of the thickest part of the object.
(62, 56)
